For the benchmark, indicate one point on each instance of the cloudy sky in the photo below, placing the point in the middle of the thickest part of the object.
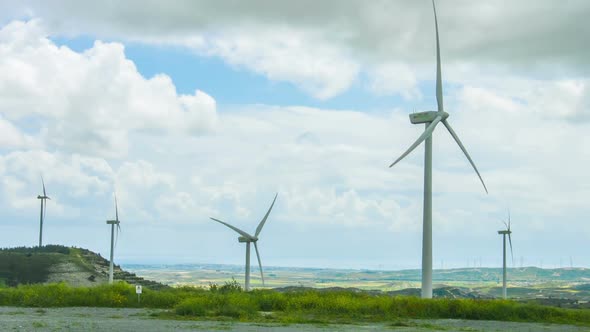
(190, 109)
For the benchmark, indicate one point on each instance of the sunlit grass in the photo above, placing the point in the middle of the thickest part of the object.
(303, 306)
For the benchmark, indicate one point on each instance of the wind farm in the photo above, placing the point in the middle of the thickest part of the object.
(196, 112)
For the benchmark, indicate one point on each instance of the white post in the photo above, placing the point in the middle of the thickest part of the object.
(41, 225)
(504, 266)
(112, 249)
(247, 283)
(427, 222)
(138, 291)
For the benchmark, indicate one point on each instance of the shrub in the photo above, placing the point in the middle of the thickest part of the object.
(229, 287)
(196, 306)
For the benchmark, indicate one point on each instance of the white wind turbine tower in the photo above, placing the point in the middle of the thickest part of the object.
(113, 223)
(43, 199)
(431, 120)
(245, 237)
(505, 232)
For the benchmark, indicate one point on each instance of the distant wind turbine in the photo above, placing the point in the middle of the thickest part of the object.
(431, 120)
(113, 223)
(43, 199)
(245, 237)
(505, 232)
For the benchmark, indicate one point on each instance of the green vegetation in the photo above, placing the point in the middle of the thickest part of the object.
(230, 302)
(24, 265)
(50, 248)
(23, 270)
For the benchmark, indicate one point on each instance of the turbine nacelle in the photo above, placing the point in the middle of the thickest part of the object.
(113, 222)
(505, 232)
(427, 117)
(243, 239)
(42, 197)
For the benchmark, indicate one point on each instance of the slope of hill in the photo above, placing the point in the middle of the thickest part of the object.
(53, 263)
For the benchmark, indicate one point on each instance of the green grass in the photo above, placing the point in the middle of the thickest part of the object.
(39, 324)
(229, 302)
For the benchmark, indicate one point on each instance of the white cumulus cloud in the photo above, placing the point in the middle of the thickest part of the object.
(89, 102)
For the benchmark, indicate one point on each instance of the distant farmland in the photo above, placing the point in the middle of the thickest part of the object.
(527, 282)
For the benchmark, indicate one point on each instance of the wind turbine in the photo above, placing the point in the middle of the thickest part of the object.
(43, 199)
(505, 232)
(247, 238)
(431, 119)
(113, 223)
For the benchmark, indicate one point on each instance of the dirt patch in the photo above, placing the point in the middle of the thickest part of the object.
(71, 274)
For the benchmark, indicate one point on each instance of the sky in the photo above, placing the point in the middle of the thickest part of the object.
(197, 109)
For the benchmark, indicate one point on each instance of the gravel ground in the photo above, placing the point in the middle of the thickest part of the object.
(126, 319)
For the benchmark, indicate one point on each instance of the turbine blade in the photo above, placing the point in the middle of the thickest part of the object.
(117, 235)
(452, 132)
(116, 209)
(44, 210)
(439, 95)
(508, 219)
(420, 139)
(511, 254)
(259, 228)
(505, 224)
(259, 263)
(43, 182)
(241, 232)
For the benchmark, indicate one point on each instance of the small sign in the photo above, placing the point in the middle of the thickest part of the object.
(138, 289)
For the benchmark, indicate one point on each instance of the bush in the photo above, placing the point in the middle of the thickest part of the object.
(61, 295)
(192, 307)
(229, 287)
(235, 305)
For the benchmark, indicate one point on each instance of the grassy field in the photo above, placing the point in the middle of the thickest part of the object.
(302, 295)
(230, 302)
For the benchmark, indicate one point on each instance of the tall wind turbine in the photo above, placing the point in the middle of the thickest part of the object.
(431, 120)
(505, 232)
(245, 237)
(113, 223)
(43, 199)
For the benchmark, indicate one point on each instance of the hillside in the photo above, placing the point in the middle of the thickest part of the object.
(52, 263)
